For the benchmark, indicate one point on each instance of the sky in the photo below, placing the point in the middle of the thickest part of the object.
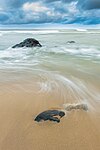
(43, 12)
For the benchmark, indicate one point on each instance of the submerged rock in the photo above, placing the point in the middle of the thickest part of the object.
(51, 115)
(71, 42)
(29, 42)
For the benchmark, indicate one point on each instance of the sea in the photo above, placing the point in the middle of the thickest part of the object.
(69, 69)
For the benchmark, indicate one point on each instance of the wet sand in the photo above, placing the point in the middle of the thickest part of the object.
(78, 130)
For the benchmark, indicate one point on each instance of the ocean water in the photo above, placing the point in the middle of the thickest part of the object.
(71, 70)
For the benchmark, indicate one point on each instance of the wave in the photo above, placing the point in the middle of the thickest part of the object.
(39, 31)
(30, 56)
(30, 31)
(81, 30)
(73, 50)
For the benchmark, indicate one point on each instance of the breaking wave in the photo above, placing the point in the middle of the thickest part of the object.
(29, 32)
(30, 56)
(81, 30)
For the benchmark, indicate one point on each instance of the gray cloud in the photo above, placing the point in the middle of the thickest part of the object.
(89, 4)
(49, 11)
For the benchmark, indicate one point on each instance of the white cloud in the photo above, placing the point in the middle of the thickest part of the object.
(49, 11)
(72, 8)
(35, 7)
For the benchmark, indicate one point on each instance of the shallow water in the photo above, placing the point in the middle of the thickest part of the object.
(72, 71)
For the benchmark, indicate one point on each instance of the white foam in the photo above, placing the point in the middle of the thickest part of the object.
(81, 30)
(80, 51)
(84, 52)
(80, 106)
(30, 31)
(1, 34)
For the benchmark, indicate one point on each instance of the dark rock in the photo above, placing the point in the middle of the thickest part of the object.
(30, 42)
(71, 42)
(50, 115)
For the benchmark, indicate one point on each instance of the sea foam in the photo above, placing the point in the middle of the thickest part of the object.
(81, 30)
(78, 106)
(29, 31)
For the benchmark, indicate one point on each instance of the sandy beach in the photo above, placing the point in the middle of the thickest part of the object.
(33, 80)
(18, 130)
(49, 74)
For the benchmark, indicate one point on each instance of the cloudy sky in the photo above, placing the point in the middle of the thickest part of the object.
(18, 12)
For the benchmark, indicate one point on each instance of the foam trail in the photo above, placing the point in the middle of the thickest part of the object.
(66, 88)
(69, 107)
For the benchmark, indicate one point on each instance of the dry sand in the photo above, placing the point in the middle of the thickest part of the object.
(79, 130)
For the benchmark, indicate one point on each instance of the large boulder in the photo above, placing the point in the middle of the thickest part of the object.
(29, 42)
(52, 115)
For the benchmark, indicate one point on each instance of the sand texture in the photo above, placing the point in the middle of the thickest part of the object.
(78, 130)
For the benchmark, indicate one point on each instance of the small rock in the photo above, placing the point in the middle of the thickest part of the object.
(71, 42)
(50, 115)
